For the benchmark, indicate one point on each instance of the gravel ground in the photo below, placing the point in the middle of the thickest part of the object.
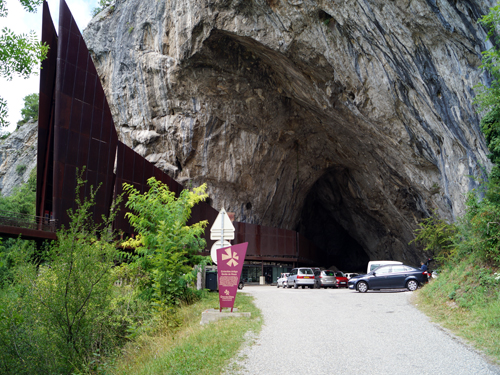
(317, 331)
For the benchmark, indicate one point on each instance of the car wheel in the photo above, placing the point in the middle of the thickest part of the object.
(277, 286)
(324, 287)
(362, 287)
(303, 286)
(311, 286)
(295, 286)
(412, 285)
(240, 285)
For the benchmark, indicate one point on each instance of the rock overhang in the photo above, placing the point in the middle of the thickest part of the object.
(363, 110)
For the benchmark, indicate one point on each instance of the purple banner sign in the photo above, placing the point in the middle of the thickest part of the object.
(229, 265)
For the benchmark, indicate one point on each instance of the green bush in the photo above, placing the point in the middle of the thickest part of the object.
(22, 199)
(20, 169)
(30, 109)
(166, 248)
(60, 310)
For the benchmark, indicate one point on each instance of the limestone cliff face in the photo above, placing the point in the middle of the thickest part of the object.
(346, 120)
(18, 157)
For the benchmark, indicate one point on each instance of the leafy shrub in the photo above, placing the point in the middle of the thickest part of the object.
(20, 169)
(437, 236)
(166, 248)
(56, 316)
(22, 199)
(30, 109)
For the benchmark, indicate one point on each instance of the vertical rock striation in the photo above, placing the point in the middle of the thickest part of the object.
(346, 120)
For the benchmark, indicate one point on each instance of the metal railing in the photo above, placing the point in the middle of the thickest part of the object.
(13, 219)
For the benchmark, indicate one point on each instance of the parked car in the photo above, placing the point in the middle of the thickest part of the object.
(282, 282)
(351, 274)
(326, 279)
(393, 276)
(301, 277)
(341, 279)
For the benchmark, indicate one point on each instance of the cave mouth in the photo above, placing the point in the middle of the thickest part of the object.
(326, 221)
(360, 207)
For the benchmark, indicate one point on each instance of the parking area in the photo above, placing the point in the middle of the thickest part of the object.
(336, 331)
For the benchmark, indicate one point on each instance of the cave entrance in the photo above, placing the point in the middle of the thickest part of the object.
(327, 221)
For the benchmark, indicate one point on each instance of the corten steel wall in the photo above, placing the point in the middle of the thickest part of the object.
(45, 116)
(84, 132)
(266, 243)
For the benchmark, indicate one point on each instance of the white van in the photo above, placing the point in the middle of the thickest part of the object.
(377, 263)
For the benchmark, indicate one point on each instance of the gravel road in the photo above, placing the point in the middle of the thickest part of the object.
(317, 331)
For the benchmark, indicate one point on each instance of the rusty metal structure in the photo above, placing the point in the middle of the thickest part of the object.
(76, 132)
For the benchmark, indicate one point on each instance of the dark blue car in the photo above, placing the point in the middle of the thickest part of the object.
(389, 277)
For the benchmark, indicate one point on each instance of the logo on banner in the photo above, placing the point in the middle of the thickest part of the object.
(232, 256)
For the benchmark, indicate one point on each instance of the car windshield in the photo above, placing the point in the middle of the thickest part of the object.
(328, 273)
(339, 274)
(306, 271)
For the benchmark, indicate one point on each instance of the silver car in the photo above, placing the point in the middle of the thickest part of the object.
(301, 277)
(327, 279)
(282, 280)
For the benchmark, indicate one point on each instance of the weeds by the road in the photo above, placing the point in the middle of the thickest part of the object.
(466, 300)
(180, 345)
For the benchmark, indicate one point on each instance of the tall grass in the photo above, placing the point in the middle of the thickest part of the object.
(465, 299)
(178, 344)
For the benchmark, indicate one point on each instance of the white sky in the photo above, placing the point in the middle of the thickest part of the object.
(20, 21)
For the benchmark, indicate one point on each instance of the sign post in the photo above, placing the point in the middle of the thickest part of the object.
(229, 265)
(229, 259)
(222, 231)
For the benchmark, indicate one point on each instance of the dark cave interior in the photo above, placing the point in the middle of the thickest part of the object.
(320, 224)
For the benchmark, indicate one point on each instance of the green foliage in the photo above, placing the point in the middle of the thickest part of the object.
(167, 249)
(29, 6)
(23, 198)
(436, 235)
(30, 109)
(480, 228)
(19, 53)
(190, 348)
(488, 96)
(102, 4)
(3, 112)
(58, 314)
(20, 169)
(465, 299)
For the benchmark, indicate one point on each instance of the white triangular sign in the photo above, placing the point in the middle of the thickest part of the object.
(222, 224)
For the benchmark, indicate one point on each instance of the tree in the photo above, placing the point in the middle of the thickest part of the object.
(30, 110)
(102, 4)
(167, 249)
(19, 53)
